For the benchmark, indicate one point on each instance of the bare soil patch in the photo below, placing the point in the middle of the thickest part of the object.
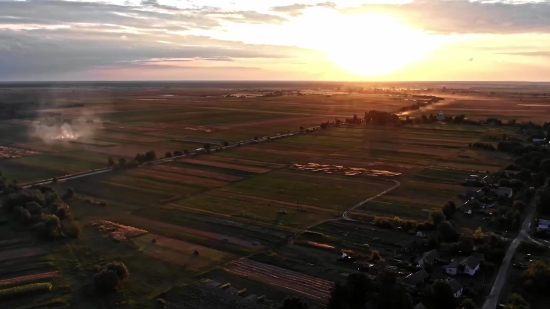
(50, 274)
(179, 178)
(22, 252)
(143, 222)
(12, 153)
(194, 172)
(340, 169)
(294, 282)
(252, 169)
(118, 232)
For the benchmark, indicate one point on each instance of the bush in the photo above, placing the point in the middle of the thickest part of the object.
(70, 228)
(52, 226)
(106, 281)
(33, 208)
(120, 269)
(69, 193)
(25, 290)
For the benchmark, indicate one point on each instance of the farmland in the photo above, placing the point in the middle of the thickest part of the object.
(245, 214)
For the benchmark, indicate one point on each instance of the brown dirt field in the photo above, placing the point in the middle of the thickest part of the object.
(272, 203)
(29, 277)
(180, 252)
(245, 162)
(189, 171)
(146, 223)
(38, 147)
(179, 178)
(252, 169)
(130, 137)
(21, 252)
(310, 287)
(293, 122)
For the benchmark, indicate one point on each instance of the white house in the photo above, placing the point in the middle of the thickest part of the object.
(506, 192)
(469, 265)
(456, 287)
(440, 117)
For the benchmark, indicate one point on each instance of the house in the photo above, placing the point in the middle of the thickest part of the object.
(420, 306)
(456, 287)
(543, 224)
(430, 257)
(460, 265)
(378, 268)
(416, 279)
(440, 117)
(506, 192)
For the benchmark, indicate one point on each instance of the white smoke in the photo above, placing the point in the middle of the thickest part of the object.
(56, 128)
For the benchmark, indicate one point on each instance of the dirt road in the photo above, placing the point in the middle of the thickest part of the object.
(494, 297)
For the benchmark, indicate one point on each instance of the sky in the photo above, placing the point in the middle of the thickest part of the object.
(348, 40)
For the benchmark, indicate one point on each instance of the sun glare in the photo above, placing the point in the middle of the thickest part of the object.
(373, 45)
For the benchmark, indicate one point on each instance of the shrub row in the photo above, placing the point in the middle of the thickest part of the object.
(25, 290)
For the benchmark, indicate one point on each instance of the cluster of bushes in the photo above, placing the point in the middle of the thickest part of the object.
(527, 246)
(390, 223)
(25, 290)
(381, 118)
(42, 209)
(494, 121)
(354, 120)
(110, 277)
(483, 146)
(385, 291)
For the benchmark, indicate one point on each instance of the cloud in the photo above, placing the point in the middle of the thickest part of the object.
(295, 10)
(463, 16)
(537, 53)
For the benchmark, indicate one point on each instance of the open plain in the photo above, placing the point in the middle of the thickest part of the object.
(245, 187)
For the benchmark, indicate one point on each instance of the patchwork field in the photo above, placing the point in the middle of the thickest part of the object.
(261, 216)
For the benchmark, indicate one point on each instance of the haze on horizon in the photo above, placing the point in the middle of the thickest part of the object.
(42, 40)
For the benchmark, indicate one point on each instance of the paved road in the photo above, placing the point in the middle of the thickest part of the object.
(494, 297)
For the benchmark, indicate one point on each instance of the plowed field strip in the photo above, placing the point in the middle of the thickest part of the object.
(244, 161)
(22, 252)
(189, 171)
(29, 277)
(174, 177)
(238, 167)
(308, 286)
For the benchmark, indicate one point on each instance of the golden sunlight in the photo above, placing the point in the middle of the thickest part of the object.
(375, 45)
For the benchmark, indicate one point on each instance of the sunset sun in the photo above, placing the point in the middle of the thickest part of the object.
(372, 45)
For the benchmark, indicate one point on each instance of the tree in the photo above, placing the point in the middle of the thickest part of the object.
(185, 151)
(468, 303)
(339, 297)
(478, 234)
(294, 303)
(110, 277)
(207, 147)
(448, 210)
(168, 154)
(150, 156)
(516, 301)
(441, 295)
(69, 193)
(538, 272)
(122, 162)
(447, 231)
(437, 217)
(51, 226)
(110, 162)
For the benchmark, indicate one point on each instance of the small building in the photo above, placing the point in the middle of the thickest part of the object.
(420, 306)
(460, 265)
(430, 257)
(456, 287)
(506, 192)
(543, 225)
(416, 279)
(440, 117)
